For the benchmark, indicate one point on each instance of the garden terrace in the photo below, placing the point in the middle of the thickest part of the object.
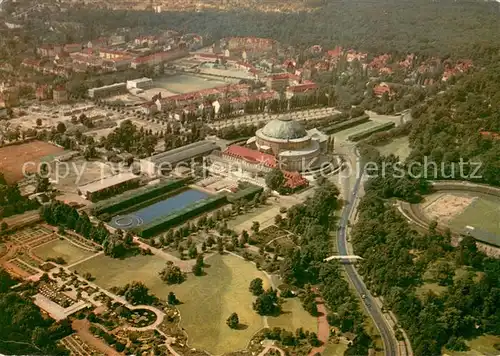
(180, 216)
(137, 196)
(364, 134)
(346, 124)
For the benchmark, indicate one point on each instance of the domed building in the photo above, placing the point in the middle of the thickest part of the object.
(295, 148)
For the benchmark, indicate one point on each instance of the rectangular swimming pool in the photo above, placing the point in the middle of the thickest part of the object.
(157, 210)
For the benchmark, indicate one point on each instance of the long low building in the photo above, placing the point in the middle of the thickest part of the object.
(167, 161)
(90, 190)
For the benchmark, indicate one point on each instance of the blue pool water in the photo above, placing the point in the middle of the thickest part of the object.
(157, 210)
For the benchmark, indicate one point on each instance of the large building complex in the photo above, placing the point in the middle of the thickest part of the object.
(295, 148)
(167, 161)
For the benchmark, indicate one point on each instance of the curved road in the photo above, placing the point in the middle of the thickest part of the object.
(390, 342)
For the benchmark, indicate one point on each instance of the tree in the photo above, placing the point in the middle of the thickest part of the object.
(137, 293)
(172, 274)
(267, 303)
(443, 272)
(275, 179)
(220, 245)
(61, 128)
(172, 299)
(255, 227)
(256, 286)
(42, 183)
(233, 321)
(198, 266)
(192, 251)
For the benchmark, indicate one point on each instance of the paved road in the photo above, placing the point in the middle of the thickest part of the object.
(390, 342)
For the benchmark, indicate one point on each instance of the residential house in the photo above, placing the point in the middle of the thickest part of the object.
(42, 92)
(279, 82)
(383, 88)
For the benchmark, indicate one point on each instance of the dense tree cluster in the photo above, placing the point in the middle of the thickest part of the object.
(136, 293)
(172, 274)
(66, 217)
(23, 328)
(129, 138)
(268, 303)
(11, 201)
(445, 27)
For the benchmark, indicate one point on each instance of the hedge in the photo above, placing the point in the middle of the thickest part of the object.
(128, 199)
(246, 193)
(163, 223)
(366, 133)
(346, 124)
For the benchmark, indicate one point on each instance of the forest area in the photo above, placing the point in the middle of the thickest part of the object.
(440, 28)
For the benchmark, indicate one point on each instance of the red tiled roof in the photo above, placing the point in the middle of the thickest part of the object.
(251, 156)
(293, 179)
(282, 76)
(336, 52)
(302, 87)
(489, 134)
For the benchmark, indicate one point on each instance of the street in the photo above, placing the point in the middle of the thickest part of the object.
(390, 342)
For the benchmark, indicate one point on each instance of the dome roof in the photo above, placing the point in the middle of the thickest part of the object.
(284, 129)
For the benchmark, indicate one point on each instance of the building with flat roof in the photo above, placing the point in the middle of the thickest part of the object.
(141, 83)
(167, 161)
(90, 190)
(108, 90)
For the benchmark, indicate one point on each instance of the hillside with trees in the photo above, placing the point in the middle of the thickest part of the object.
(449, 127)
(443, 28)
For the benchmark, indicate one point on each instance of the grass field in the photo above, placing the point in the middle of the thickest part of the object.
(481, 346)
(334, 349)
(62, 248)
(207, 301)
(399, 147)
(294, 316)
(483, 213)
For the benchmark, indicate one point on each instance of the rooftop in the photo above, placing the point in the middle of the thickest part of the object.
(107, 182)
(284, 129)
(184, 153)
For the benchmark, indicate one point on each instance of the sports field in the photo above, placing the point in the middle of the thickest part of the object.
(207, 301)
(180, 84)
(13, 157)
(62, 248)
(482, 213)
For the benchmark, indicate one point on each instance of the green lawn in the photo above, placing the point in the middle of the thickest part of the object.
(483, 213)
(207, 301)
(335, 349)
(294, 316)
(399, 147)
(480, 346)
(62, 248)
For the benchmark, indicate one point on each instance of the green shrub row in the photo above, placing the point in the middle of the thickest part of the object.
(128, 199)
(178, 217)
(346, 124)
(246, 193)
(364, 134)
